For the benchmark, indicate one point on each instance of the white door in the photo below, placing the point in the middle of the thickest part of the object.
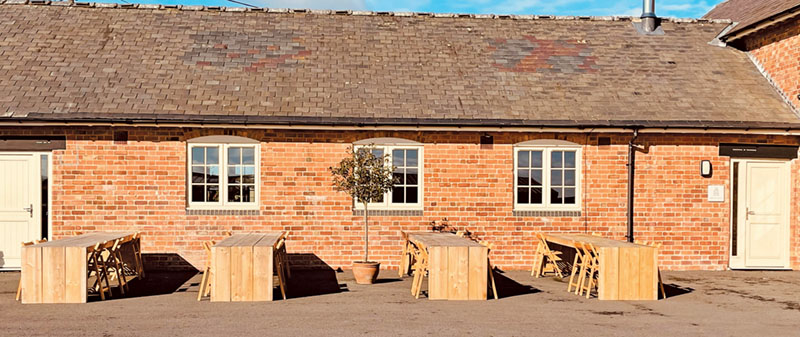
(20, 205)
(764, 215)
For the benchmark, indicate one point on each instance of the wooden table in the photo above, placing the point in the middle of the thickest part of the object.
(242, 267)
(458, 266)
(628, 271)
(55, 271)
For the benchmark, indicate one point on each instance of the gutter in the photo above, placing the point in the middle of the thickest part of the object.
(779, 129)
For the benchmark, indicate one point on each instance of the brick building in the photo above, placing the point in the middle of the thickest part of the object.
(185, 122)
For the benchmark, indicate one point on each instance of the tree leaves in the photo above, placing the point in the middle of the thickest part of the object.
(362, 175)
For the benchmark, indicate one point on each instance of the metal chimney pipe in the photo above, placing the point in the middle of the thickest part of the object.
(649, 18)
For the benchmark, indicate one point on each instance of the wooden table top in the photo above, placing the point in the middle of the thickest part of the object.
(251, 240)
(597, 241)
(432, 239)
(84, 240)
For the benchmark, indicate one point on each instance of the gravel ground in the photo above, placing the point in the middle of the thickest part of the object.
(729, 303)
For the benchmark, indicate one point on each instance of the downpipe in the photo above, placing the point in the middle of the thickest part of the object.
(631, 175)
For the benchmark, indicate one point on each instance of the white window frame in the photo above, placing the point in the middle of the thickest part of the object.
(387, 201)
(223, 203)
(546, 158)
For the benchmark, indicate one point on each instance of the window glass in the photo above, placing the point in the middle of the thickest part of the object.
(205, 174)
(546, 177)
(562, 177)
(529, 177)
(406, 175)
(241, 174)
(230, 181)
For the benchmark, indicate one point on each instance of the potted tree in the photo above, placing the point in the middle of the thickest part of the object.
(366, 178)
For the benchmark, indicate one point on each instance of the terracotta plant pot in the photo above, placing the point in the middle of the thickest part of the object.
(366, 272)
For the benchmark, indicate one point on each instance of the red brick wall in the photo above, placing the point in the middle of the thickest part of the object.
(777, 49)
(140, 185)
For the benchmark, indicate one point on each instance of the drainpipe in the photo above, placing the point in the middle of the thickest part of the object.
(631, 171)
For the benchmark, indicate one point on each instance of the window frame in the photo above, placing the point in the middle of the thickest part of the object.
(546, 204)
(223, 203)
(387, 204)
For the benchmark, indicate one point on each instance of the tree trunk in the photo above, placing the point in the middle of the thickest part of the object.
(366, 233)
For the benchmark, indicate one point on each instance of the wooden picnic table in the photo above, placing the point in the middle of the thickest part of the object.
(458, 267)
(628, 271)
(243, 267)
(56, 271)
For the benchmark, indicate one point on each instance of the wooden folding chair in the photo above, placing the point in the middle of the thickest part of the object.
(113, 264)
(136, 243)
(205, 281)
(95, 263)
(490, 247)
(577, 267)
(280, 264)
(420, 267)
(406, 256)
(545, 260)
(288, 267)
(587, 280)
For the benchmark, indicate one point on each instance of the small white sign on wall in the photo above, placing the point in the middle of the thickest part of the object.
(716, 193)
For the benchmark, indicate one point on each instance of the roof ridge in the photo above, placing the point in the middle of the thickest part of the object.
(346, 12)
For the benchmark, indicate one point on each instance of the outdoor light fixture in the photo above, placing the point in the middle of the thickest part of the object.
(705, 168)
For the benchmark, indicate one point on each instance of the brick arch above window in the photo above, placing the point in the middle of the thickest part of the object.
(548, 143)
(386, 141)
(223, 139)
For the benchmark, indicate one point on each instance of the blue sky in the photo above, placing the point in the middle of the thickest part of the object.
(670, 8)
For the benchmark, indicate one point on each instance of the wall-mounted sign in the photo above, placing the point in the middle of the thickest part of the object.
(716, 193)
(758, 151)
(32, 143)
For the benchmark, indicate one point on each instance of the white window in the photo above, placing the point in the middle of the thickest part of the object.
(547, 176)
(406, 157)
(223, 176)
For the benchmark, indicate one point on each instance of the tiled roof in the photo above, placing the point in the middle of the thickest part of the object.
(749, 12)
(217, 65)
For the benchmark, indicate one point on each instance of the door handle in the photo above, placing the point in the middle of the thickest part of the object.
(749, 213)
(29, 210)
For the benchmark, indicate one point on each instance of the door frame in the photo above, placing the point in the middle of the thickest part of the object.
(38, 155)
(738, 261)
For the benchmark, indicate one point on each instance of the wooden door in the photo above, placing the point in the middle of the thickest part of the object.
(766, 215)
(20, 205)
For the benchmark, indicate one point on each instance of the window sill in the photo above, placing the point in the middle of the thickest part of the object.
(223, 211)
(543, 213)
(389, 212)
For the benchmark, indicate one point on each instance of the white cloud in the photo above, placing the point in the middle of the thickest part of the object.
(312, 4)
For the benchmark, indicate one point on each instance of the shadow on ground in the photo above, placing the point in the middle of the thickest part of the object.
(310, 276)
(155, 283)
(672, 290)
(507, 287)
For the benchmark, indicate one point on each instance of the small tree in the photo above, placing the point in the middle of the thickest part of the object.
(366, 178)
